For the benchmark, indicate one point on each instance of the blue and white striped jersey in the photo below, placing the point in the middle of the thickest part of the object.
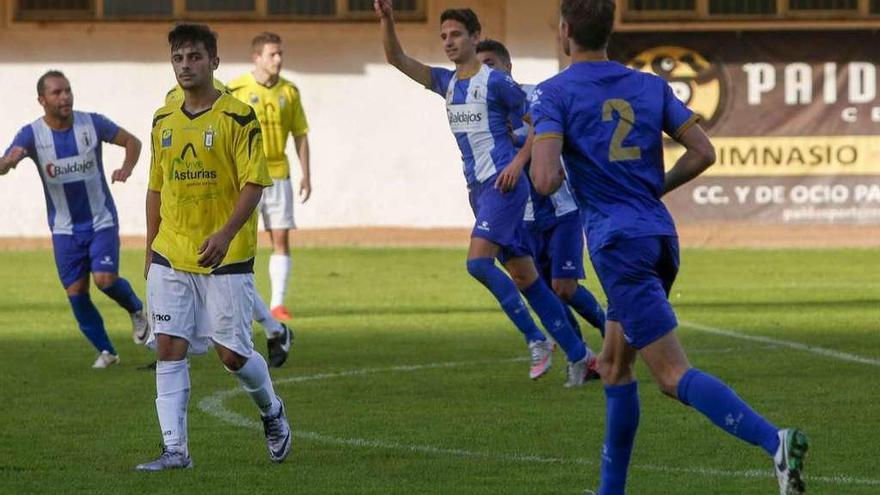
(542, 212)
(69, 161)
(479, 110)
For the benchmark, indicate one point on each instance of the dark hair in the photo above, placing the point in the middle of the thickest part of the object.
(495, 47)
(264, 39)
(591, 21)
(192, 34)
(464, 16)
(41, 82)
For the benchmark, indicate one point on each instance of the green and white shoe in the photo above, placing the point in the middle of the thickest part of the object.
(789, 461)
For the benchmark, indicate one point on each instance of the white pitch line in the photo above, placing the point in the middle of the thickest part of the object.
(213, 405)
(821, 351)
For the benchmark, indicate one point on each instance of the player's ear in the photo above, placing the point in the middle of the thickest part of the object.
(564, 29)
(215, 63)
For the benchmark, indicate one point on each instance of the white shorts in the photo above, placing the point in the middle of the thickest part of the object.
(202, 308)
(277, 205)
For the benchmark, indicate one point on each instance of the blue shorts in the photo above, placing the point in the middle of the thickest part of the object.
(559, 249)
(499, 216)
(637, 275)
(78, 254)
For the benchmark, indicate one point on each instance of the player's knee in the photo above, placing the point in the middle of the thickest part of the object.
(668, 381)
(232, 361)
(614, 371)
(105, 280)
(480, 268)
(522, 280)
(565, 289)
(78, 288)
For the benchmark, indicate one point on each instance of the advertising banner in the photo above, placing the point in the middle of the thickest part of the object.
(794, 117)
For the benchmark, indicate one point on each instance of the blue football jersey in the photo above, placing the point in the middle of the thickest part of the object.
(479, 110)
(72, 172)
(542, 212)
(611, 120)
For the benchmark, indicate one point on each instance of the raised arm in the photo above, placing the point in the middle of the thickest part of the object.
(698, 156)
(416, 70)
(132, 147)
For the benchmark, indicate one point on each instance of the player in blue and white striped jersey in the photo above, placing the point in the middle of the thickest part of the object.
(552, 222)
(479, 102)
(66, 147)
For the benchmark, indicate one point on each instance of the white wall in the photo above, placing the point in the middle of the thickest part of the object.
(382, 154)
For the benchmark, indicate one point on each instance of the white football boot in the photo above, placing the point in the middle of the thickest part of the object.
(789, 461)
(105, 359)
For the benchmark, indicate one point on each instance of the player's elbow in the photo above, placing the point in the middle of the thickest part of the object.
(706, 154)
(545, 184)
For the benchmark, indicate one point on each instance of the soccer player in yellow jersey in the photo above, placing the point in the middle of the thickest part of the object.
(280, 112)
(207, 174)
(278, 335)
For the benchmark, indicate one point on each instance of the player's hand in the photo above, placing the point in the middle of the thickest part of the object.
(214, 249)
(383, 8)
(305, 189)
(120, 175)
(506, 180)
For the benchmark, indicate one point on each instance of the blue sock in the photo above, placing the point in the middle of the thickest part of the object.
(504, 290)
(722, 406)
(90, 322)
(122, 293)
(573, 322)
(587, 306)
(552, 314)
(621, 423)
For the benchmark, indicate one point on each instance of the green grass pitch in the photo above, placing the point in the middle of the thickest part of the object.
(406, 378)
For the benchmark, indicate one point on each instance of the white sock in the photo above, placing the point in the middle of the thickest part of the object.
(279, 270)
(255, 380)
(172, 398)
(271, 326)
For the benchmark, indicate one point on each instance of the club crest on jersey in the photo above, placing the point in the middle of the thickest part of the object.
(166, 138)
(209, 138)
(86, 140)
(254, 99)
(282, 102)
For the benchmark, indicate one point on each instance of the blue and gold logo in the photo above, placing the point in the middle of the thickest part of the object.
(166, 138)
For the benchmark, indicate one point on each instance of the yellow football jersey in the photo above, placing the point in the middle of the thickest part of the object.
(175, 95)
(279, 111)
(199, 164)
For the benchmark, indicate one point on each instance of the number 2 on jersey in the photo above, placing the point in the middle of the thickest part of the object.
(617, 152)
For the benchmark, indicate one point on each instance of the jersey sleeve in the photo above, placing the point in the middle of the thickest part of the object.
(107, 129)
(24, 138)
(677, 117)
(546, 110)
(250, 158)
(440, 78)
(507, 92)
(299, 125)
(156, 174)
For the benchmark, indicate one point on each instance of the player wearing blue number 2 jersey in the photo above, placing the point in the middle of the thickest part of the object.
(553, 223)
(607, 122)
(66, 147)
(479, 102)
